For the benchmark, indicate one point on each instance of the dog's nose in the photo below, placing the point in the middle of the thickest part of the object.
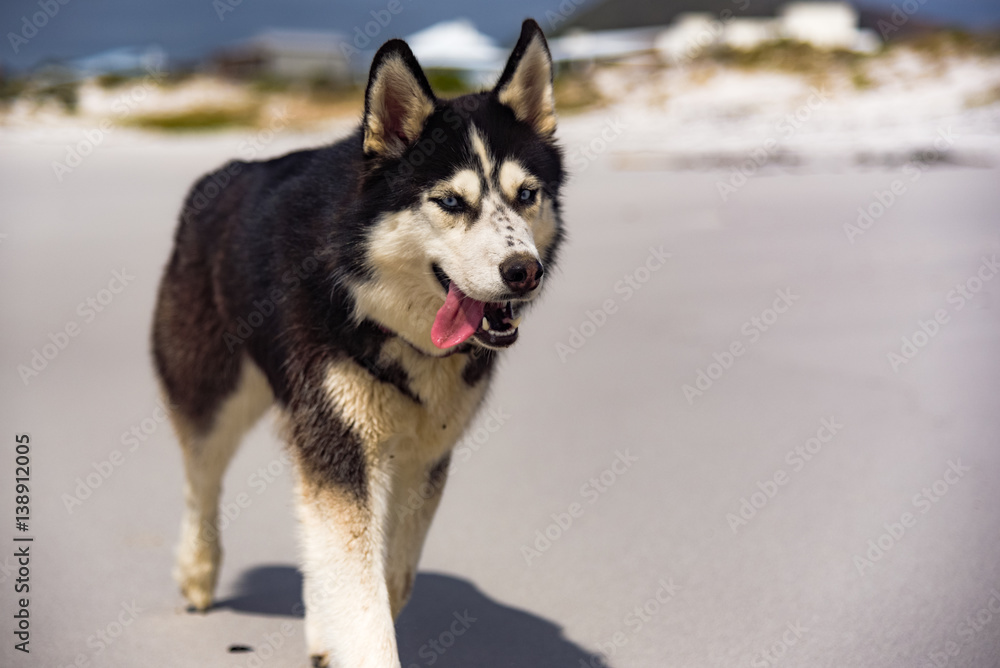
(522, 272)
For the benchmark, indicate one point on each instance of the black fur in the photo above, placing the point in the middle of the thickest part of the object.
(529, 31)
(436, 476)
(278, 238)
(267, 261)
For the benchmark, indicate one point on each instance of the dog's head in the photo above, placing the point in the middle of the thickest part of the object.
(464, 199)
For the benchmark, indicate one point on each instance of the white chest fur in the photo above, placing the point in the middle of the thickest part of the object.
(386, 420)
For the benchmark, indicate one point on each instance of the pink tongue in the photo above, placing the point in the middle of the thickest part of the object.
(457, 320)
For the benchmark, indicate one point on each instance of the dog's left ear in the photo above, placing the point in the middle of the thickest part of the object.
(398, 101)
(526, 83)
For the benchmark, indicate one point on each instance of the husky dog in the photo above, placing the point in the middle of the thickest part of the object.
(364, 288)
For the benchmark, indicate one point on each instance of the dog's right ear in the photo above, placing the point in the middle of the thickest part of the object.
(398, 101)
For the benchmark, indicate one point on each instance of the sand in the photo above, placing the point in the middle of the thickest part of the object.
(701, 452)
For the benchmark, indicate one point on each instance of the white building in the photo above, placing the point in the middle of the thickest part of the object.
(825, 25)
(457, 45)
(689, 35)
(749, 32)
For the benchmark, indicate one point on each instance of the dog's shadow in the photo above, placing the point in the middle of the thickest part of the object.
(448, 623)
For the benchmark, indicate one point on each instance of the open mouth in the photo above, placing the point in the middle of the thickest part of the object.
(493, 324)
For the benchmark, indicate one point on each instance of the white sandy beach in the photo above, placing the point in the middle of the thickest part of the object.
(636, 490)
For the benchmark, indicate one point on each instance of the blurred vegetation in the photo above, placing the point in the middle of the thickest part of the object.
(111, 81)
(448, 82)
(203, 119)
(984, 99)
(806, 60)
(66, 93)
(268, 83)
(315, 100)
(802, 58)
(179, 76)
(11, 89)
(327, 90)
(115, 80)
(575, 91)
(860, 78)
(48, 88)
(943, 43)
(787, 56)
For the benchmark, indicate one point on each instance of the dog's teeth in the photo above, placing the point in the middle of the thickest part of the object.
(486, 323)
(516, 322)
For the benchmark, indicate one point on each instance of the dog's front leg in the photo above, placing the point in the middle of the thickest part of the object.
(417, 488)
(348, 620)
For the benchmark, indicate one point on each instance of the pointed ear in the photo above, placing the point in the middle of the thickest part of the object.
(398, 101)
(526, 83)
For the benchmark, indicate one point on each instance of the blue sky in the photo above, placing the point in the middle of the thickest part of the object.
(188, 29)
(967, 13)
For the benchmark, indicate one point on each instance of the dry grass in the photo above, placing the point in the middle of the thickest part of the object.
(943, 43)
(299, 109)
(984, 99)
(787, 56)
(196, 120)
(576, 92)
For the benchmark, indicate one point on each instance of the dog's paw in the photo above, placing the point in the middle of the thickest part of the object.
(196, 574)
(197, 589)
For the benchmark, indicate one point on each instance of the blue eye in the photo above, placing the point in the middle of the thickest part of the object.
(450, 203)
(526, 195)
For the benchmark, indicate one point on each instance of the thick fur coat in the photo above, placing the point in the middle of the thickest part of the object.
(364, 289)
